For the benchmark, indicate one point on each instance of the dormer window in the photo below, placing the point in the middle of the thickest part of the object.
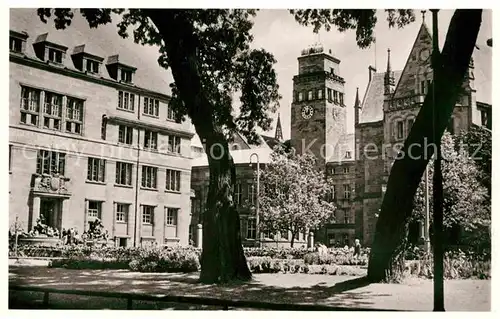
(85, 61)
(55, 55)
(17, 41)
(49, 51)
(126, 76)
(120, 71)
(92, 66)
(16, 45)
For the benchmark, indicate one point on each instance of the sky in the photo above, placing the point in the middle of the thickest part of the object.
(280, 34)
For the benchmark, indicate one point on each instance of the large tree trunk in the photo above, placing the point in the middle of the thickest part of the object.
(222, 257)
(386, 257)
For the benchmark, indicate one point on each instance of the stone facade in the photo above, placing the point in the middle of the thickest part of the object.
(79, 152)
(382, 122)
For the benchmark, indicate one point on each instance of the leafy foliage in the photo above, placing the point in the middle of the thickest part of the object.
(293, 194)
(363, 21)
(465, 198)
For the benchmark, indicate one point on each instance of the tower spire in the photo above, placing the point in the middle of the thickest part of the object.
(279, 132)
(388, 61)
(357, 106)
(423, 16)
(389, 81)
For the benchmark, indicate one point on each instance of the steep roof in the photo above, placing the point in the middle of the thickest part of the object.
(270, 141)
(103, 42)
(482, 57)
(372, 107)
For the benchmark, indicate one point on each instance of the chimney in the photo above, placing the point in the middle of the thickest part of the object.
(371, 70)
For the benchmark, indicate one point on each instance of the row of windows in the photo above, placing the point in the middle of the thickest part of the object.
(150, 140)
(126, 101)
(94, 211)
(332, 96)
(340, 170)
(347, 191)
(49, 162)
(59, 112)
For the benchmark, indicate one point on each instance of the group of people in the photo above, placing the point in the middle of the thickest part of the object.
(323, 250)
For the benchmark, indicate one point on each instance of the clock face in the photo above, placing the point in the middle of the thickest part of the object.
(307, 112)
(424, 54)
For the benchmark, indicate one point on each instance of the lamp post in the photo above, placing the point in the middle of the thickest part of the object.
(438, 179)
(257, 226)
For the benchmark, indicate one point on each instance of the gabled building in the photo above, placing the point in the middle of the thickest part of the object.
(383, 117)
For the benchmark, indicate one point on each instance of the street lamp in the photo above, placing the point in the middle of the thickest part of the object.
(257, 226)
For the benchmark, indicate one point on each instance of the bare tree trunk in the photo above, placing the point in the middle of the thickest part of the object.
(386, 257)
(222, 258)
(292, 241)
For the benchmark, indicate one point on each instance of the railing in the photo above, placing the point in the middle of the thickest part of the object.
(223, 303)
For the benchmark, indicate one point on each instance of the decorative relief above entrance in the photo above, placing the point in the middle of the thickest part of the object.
(51, 184)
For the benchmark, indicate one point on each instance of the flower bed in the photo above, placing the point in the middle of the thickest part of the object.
(297, 266)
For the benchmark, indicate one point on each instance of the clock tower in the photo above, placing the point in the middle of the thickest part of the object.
(318, 114)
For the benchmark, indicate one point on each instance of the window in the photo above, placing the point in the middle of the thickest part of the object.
(149, 176)
(329, 94)
(122, 212)
(332, 71)
(126, 76)
(251, 228)
(347, 191)
(335, 97)
(310, 95)
(147, 214)
(348, 154)
(251, 194)
(55, 55)
(125, 134)
(96, 170)
(49, 162)
(341, 98)
(173, 180)
(399, 130)
(126, 101)
(484, 118)
(74, 115)
(384, 188)
(174, 144)
(104, 123)
(150, 140)
(301, 97)
(123, 173)
(409, 125)
(52, 111)
(92, 66)
(268, 234)
(320, 94)
(172, 216)
(151, 106)
(346, 218)
(94, 210)
(16, 45)
(170, 113)
(30, 105)
(237, 193)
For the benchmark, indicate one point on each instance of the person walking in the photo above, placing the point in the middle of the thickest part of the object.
(357, 248)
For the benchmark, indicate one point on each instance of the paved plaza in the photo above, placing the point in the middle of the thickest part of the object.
(343, 291)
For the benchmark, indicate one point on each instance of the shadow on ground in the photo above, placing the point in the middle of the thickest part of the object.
(268, 287)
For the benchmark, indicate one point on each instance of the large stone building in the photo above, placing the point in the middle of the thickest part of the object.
(91, 135)
(382, 118)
